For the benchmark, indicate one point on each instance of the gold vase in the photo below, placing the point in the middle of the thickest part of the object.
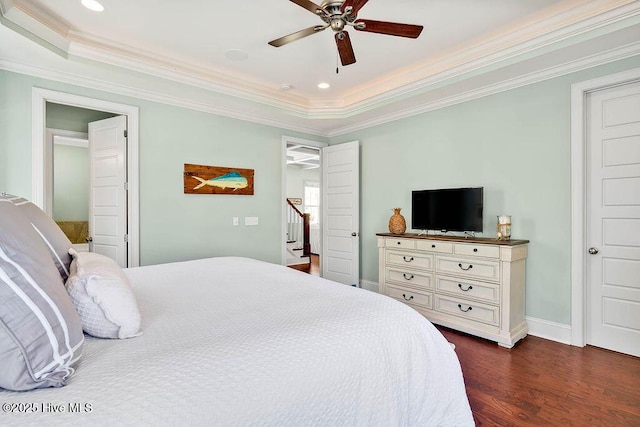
(397, 224)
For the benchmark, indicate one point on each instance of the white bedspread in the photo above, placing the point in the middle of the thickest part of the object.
(234, 341)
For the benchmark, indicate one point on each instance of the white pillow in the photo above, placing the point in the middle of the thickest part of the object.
(102, 296)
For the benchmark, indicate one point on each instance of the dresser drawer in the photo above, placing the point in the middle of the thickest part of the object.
(400, 243)
(409, 277)
(435, 246)
(465, 288)
(410, 259)
(410, 296)
(487, 251)
(469, 310)
(467, 267)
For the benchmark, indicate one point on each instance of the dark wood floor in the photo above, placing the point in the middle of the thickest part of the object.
(542, 382)
(313, 267)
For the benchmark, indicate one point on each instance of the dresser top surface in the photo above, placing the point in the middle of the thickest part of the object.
(459, 239)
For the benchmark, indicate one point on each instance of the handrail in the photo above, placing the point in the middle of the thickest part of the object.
(306, 232)
(294, 208)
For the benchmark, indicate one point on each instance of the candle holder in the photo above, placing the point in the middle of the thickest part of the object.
(503, 227)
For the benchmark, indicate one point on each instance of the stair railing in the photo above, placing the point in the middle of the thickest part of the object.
(298, 226)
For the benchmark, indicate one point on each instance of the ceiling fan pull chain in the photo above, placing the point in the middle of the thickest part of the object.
(337, 62)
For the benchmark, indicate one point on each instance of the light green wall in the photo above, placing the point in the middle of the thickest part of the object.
(515, 144)
(72, 118)
(70, 183)
(173, 226)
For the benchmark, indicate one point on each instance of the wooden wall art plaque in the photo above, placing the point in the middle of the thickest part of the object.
(199, 179)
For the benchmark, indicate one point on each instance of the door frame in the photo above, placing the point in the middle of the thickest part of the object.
(310, 143)
(579, 92)
(39, 99)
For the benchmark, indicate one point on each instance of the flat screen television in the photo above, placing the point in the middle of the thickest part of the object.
(449, 209)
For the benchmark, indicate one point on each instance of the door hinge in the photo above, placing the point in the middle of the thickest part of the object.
(126, 134)
(126, 238)
(126, 186)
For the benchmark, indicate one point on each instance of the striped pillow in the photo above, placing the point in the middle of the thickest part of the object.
(40, 332)
(57, 242)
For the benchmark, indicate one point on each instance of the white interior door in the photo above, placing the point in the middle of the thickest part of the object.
(108, 196)
(613, 219)
(341, 213)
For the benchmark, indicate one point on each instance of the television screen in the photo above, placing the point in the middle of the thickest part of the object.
(450, 209)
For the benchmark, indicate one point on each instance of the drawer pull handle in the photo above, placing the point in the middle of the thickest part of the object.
(466, 290)
(433, 246)
(407, 299)
(399, 243)
(407, 260)
(475, 249)
(468, 309)
(465, 269)
(407, 278)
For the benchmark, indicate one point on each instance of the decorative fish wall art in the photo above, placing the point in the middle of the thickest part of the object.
(200, 179)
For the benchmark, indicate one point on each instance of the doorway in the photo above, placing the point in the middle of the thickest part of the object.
(43, 157)
(302, 207)
(606, 213)
(68, 186)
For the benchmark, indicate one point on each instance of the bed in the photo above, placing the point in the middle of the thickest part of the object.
(235, 341)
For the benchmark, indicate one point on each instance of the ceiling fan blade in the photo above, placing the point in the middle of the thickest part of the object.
(347, 57)
(296, 36)
(390, 28)
(309, 5)
(355, 4)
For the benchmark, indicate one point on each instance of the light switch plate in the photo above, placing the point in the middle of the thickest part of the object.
(235, 221)
(251, 220)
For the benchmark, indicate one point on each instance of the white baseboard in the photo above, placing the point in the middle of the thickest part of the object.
(549, 330)
(369, 285)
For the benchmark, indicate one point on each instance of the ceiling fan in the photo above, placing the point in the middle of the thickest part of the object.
(340, 14)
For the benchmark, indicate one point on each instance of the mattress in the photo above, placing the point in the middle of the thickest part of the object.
(234, 341)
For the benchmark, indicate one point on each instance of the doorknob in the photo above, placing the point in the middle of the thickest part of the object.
(354, 234)
(593, 251)
(89, 239)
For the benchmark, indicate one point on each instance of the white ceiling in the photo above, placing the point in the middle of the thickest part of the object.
(186, 41)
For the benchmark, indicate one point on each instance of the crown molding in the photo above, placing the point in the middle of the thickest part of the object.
(334, 117)
(313, 126)
(212, 107)
(570, 18)
(514, 83)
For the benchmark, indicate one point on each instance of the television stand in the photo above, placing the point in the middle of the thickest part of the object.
(471, 284)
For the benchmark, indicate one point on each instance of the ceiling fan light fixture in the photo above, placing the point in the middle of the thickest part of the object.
(324, 85)
(93, 5)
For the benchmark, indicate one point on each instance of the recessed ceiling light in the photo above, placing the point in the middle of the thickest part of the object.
(324, 85)
(236, 55)
(93, 5)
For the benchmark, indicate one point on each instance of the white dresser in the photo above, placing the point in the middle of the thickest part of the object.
(473, 285)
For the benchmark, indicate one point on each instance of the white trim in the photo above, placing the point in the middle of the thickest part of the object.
(305, 142)
(39, 146)
(71, 142)
(579, 93)
(549, 330)
(290, 117)
(370, 286)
